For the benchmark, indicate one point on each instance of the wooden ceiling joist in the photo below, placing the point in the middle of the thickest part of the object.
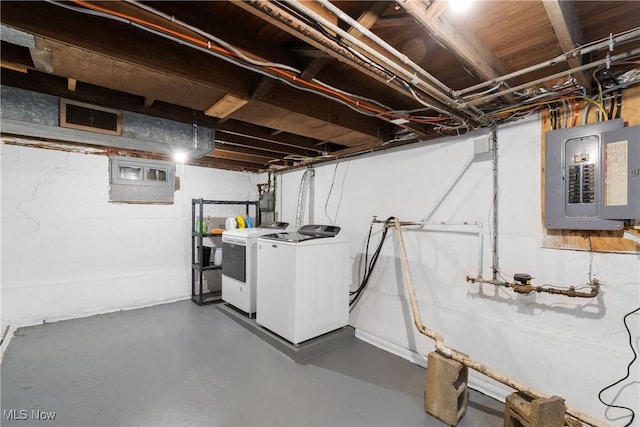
(243, 141)
(148, 52)
(226, 106)
(474, 54)
(564, 21)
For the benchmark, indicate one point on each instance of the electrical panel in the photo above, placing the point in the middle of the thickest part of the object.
(621, 177)
(592, 176)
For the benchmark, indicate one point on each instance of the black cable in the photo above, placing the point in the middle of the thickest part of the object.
(366, 254)
(611, 405)
(371, 264)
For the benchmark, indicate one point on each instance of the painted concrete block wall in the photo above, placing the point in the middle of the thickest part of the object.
(67, 252)
(557, 345)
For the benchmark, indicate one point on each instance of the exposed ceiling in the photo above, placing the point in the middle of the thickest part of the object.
(289, 81)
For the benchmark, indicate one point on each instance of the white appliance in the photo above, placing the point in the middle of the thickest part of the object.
(239, 265)
(303, 282)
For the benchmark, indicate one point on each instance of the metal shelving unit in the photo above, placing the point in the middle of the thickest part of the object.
(198, 266)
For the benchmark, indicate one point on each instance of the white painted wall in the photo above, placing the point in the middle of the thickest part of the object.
(558, 345)
(67, 252)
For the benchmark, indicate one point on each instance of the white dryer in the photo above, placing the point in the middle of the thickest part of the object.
(239, 265)
(303, 282)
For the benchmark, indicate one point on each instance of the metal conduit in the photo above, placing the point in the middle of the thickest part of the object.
(436, 227)
(405, 74)
(388, 48)
(612, 59)
(341, 53)
(461, 358)
(472, 112)
(561, 58)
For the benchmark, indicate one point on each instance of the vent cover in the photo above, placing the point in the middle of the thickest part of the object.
(78, 115)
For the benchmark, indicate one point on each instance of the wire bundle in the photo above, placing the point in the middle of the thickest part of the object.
(369, 264)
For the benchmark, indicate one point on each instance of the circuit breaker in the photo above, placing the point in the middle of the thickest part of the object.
(592, 176)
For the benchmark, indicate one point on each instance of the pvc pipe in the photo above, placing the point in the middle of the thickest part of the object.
(462, 358)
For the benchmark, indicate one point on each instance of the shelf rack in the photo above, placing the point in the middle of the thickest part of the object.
(197, 256)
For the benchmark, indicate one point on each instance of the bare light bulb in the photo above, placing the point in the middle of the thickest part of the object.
(180, 156)
(460, 5)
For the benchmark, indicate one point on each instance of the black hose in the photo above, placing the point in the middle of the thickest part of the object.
(371, 264)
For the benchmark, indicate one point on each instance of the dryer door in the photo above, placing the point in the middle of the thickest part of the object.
(234, 259)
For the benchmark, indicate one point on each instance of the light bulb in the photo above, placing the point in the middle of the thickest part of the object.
(460, 5)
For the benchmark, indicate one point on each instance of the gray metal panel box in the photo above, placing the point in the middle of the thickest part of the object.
(573, 174)
(621, 175)
(135, 180)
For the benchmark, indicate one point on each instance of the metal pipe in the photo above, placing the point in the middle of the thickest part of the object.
(494, 249)
(479, 232)
(406, 75)
(560, 58)
(462, 358)
(594, 288)
(339, 52)
(387, 47)
(567, 73)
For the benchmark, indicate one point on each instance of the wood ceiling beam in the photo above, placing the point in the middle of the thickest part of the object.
(474, 54)
(394, 21)
(265, 134)
(133, 46)
(314, 67)
(46, 83)
(261, 154)
(564, 21)
(274, 15)
(227, 164)
(226, 106)
(369, 17)
(366, 19)
(231, 155)
(244, 141)
(265, 85)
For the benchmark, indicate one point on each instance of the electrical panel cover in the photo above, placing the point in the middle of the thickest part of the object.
(621, 174)
(574, 177)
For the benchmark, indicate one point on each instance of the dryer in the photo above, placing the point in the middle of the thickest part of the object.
(239, 265)
(303, 282)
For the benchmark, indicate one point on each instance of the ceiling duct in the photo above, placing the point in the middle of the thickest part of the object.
(31, 114)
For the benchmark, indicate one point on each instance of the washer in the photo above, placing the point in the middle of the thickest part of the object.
(239, 265)
(303, 282)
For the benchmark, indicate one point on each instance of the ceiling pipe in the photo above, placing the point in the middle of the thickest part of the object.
(594, 64)
(320, 41)
(632, 35)
(427, 88)
(446, 97)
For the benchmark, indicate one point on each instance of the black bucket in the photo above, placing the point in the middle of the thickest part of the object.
(204, 251)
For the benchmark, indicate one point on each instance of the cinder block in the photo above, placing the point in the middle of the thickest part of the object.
(523, 411)
(446, 392)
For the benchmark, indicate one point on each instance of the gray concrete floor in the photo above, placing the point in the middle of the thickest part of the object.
(182, 365)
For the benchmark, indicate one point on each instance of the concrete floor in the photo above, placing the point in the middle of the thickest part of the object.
(182, 365)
